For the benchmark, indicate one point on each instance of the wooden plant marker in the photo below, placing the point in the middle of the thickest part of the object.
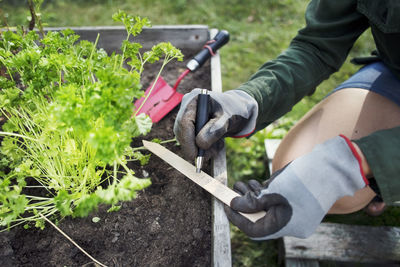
(211, 185)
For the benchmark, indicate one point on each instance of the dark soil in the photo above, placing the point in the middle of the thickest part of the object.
(168, 224)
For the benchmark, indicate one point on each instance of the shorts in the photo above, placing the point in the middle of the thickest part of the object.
(375, 77)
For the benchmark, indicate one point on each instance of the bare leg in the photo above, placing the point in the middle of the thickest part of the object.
(352, 112)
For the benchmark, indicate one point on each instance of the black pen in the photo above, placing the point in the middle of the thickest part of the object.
(201, 120)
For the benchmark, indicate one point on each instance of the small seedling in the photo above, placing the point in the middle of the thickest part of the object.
(95, 219)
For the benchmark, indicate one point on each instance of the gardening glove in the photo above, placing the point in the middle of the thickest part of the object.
(297, 197)
(232, 113)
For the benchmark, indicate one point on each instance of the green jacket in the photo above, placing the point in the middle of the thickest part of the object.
(318, 50)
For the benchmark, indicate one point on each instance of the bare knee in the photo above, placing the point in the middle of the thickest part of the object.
(349, 204)
(352, 112)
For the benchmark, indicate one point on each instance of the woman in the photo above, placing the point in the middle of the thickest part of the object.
(345, 151)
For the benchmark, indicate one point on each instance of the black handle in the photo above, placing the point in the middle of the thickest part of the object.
(202, 114)
(219, 40)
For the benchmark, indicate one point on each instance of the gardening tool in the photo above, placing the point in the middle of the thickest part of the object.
(163, 98)
(211, 185)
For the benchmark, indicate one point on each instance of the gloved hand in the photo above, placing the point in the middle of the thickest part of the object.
(297, 197)
(232, 113)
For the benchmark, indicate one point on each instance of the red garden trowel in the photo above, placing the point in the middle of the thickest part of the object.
(163, 97)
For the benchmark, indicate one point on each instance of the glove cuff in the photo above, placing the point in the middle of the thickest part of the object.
(252, 112)
(357, 156)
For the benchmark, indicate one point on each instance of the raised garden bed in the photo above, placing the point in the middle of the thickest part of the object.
(171, 223)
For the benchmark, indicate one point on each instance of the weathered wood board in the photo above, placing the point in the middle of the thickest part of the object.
(221, 246)
(347, 243)
(111, 37)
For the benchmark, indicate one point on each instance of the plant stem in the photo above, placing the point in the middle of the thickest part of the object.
(8, 70)
(18, 135)
(124, 49)
(36, 197)
(162, 142)
(91, 55)
(128, 171)
(151, 89)
(72, 241)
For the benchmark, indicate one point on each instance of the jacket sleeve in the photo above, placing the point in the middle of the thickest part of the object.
(314, 54)
(381, 149)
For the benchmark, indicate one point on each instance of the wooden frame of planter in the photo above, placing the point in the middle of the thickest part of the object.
(183, 37)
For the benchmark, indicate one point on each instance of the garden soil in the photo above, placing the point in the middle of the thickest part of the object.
(168, 224)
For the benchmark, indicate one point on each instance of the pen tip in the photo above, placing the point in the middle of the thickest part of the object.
(199, 164)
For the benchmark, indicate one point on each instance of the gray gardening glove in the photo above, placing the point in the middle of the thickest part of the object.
(298, 196)
(232, 113)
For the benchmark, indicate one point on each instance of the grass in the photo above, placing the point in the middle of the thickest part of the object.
(260, 30)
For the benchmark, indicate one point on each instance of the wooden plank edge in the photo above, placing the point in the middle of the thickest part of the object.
(221, 240)
(182, 36)
(347, 243)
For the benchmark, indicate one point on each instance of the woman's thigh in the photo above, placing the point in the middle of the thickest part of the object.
(352, 112)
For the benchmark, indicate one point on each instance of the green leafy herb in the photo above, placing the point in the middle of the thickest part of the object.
(69, 123)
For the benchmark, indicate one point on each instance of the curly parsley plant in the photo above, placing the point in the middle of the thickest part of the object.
(68, 108)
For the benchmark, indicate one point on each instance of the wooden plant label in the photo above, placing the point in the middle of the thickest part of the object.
(211, 185)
